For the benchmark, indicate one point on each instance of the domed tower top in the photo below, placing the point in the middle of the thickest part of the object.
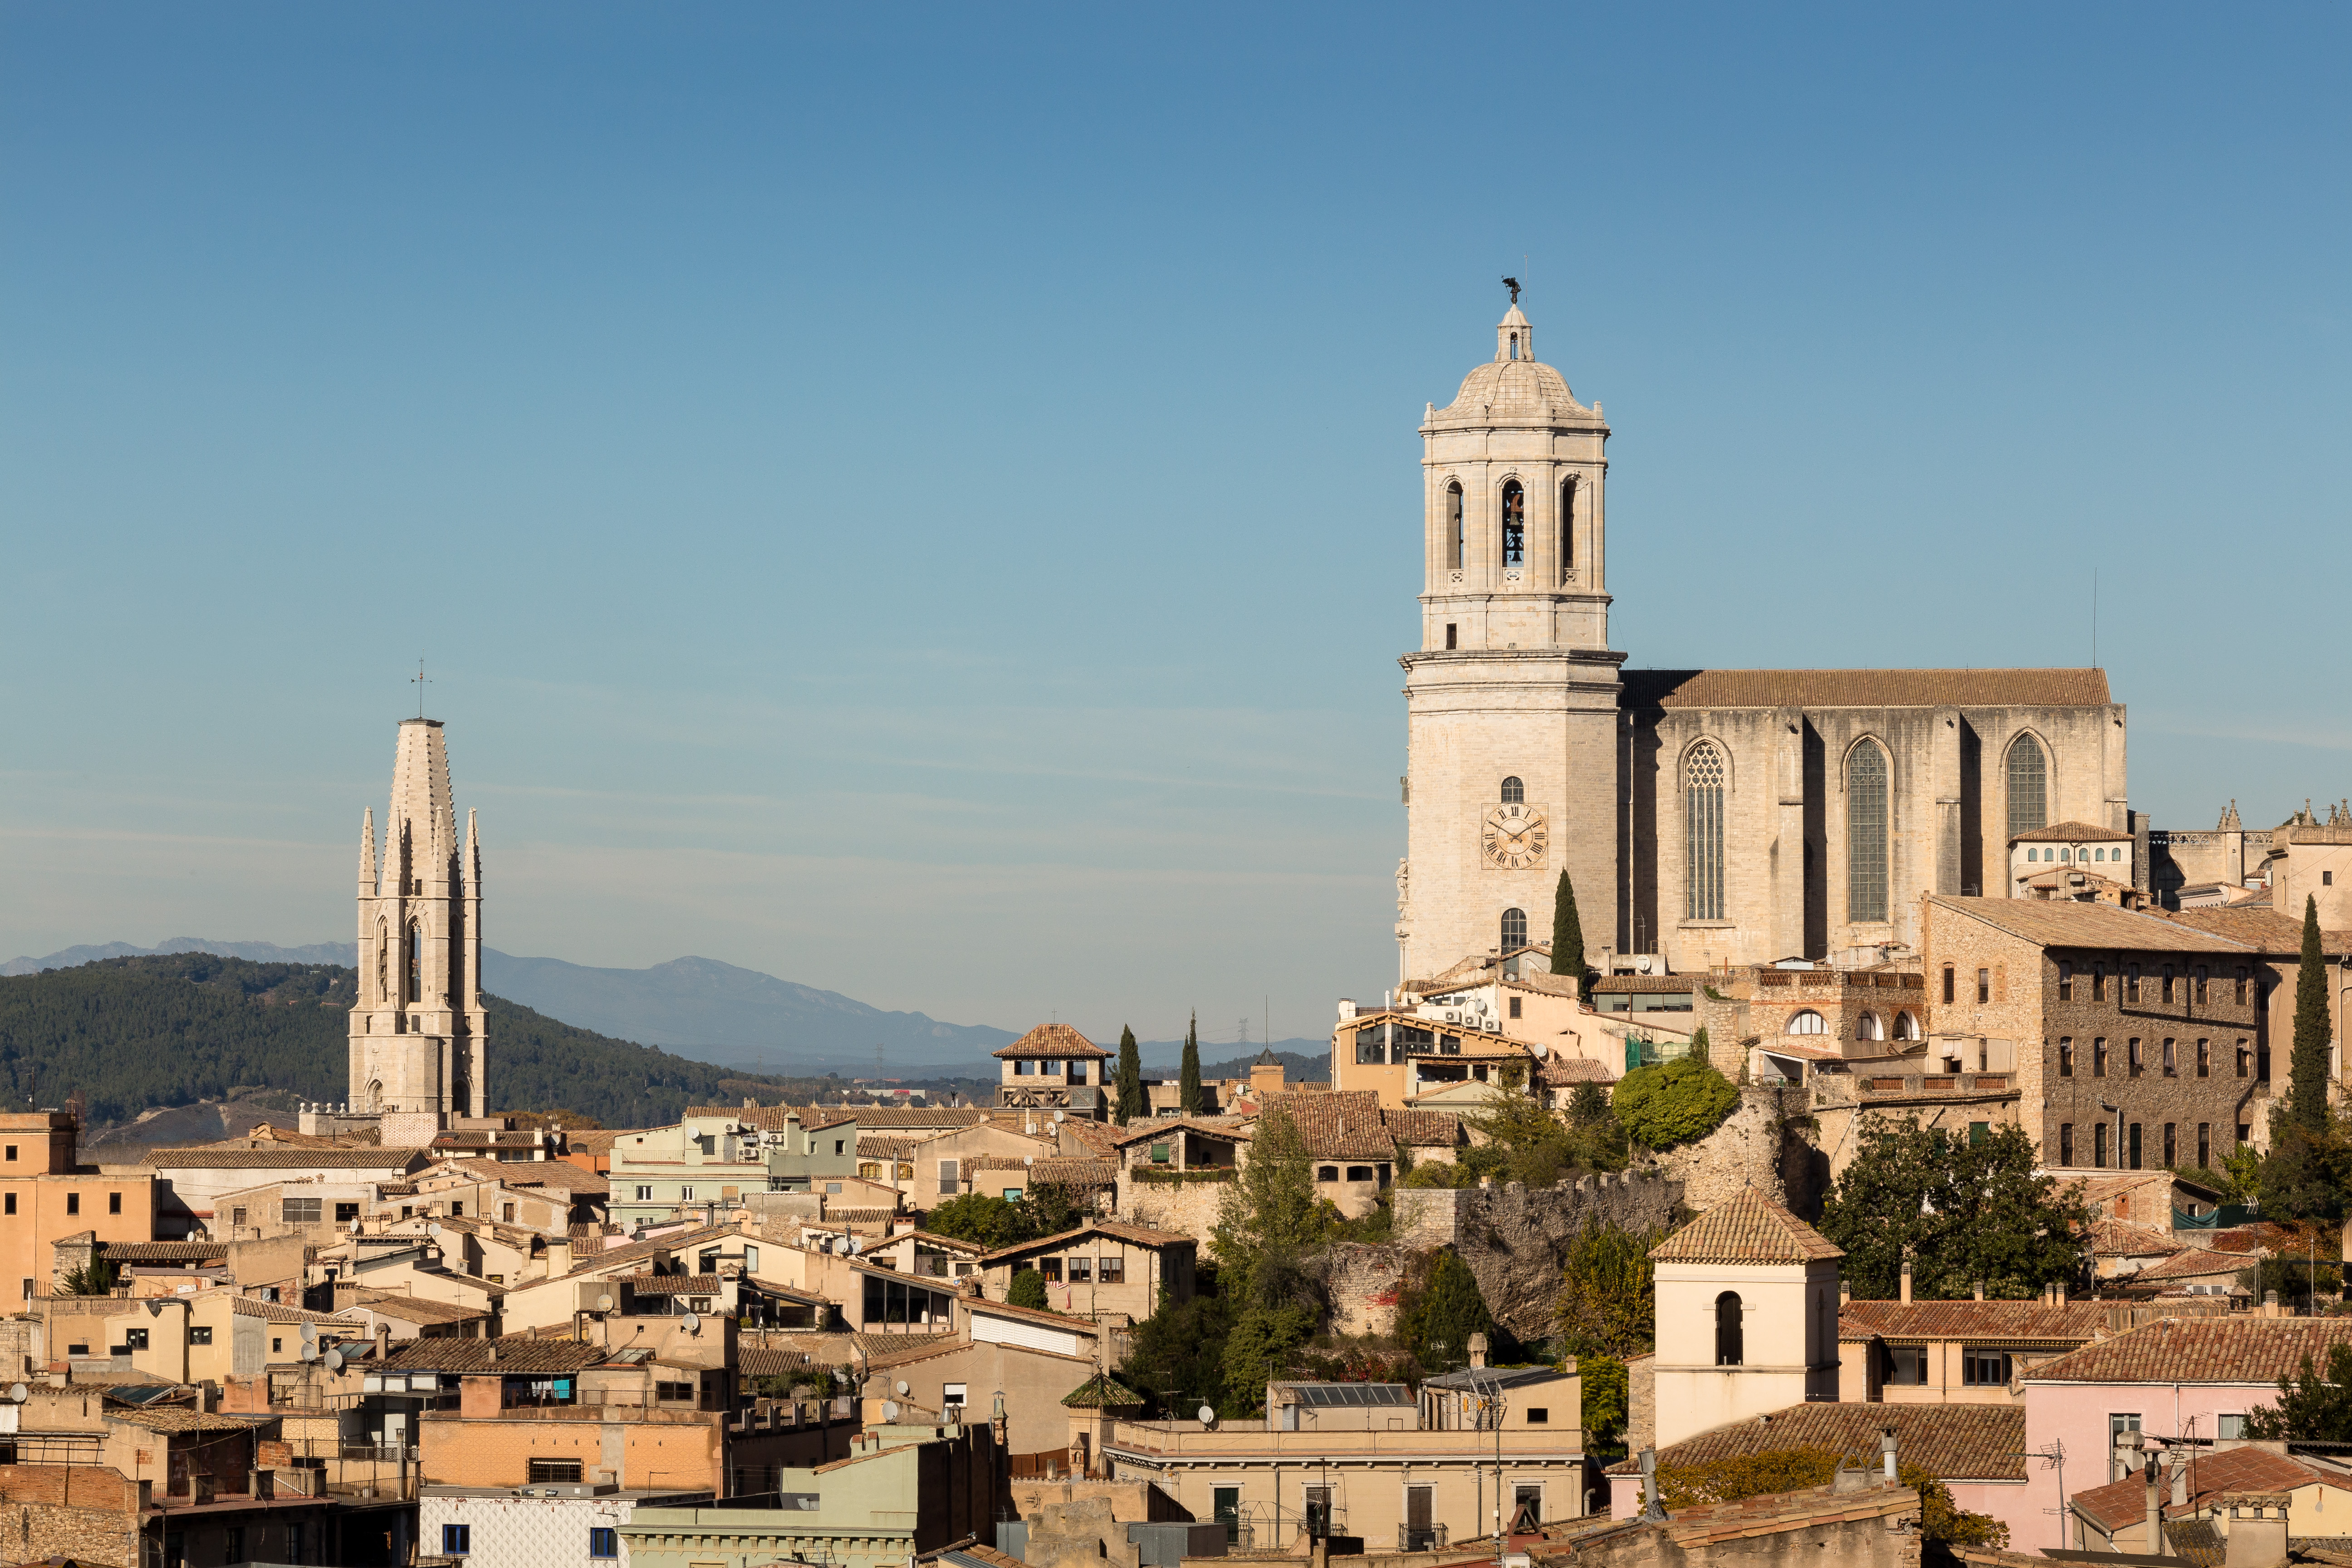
(1515, 543)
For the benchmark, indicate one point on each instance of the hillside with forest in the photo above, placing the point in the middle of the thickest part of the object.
(131, 1034)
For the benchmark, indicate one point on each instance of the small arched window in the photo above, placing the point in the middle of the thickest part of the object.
(1515, 345)
(1513, 792)
(1865, 833)
(1730, 1349)
(1453, 527)
(383, 961)
(1515, 525)
(1907, 1027)
(1808, 1022)
(1703, 823)
(1515, 929)
(416, 963)
(1866, 1028)
(1567, 527)
(2029, 787)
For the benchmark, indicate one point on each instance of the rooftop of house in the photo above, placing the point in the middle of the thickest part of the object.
(2036, 1321)
(2068, 924)
(1117, 1230)
(1055, 1041)
(519, 1354)
(1747, 1227)
(2251, 1351)
(1951, 1442)
(2209, 1475)
(2072, 833)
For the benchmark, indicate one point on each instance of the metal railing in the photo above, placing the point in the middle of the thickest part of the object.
(1430, 1538)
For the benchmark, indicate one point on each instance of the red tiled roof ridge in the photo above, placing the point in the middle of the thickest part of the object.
(2239, 1349)
(1050, 1040)
(1747, 1227)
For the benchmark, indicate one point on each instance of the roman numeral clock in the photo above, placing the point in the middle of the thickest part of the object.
(1514, 836)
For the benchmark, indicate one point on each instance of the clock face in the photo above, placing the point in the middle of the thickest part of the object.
(1514, 838)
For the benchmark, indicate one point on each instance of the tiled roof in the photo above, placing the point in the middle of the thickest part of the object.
(418, 1310)
(161, 1251)
(1035, 1314)
(1952, 1442)
(944, 1243)
(1226, 1127)
(2121, 1504)
(2262, 927)
(2070, 833)
(2066, 924)
(673, 1284)
(2121, 1238)
(905, 1118)
(516, 1353)
(1561, 1071)
(1781, 1515)
(766, 1118)
(2253, 1350)
(1746, 1228)
(277, 1312)
(1422, 1128)
(526, 1173)
(1117, 1230)
(2037, 1321)
(880, 1146)
(1063, 1172)
(1865, 688)
(1103, 1392)
(1543, 983)
(1648, 984)
(342, 1158)
(1050, 1040)
(1337, 1124)
(635, 1250)
(176, 1418)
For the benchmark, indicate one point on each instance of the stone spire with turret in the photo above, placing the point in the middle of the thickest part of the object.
(417, 1032)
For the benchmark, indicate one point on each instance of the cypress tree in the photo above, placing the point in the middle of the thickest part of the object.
(1188, 1077)
(1567, 931)
(2307, 1069)
(1131, 1078)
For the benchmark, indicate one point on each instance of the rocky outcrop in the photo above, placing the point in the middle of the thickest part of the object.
(1767, 1143)
(1514, 1239)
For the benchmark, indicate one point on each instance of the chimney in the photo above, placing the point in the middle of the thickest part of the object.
(1845, 1291)
(1478, 1350)
(559, 1256)
(1906, 1279)
(1886, 1448)
(1979, 1289)
(2152, 1544)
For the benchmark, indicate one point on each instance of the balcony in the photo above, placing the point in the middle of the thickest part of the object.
(1421, 1538)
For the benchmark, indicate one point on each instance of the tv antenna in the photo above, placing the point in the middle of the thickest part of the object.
(418, 681)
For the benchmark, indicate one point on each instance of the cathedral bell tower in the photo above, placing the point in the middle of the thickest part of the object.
(1511, 703)
(417, 1033)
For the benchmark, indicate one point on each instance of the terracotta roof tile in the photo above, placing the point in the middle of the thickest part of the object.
(1865, 688)
(880, 1146)
(1064, 1172)
(2252, 1350)
(1050, 1040)
(1117, 1230)
(2065, 924)
(1423, 1128)
(2121, 1238)
(1226, 1127)
(1746, 1228)
(2071, 833)
(1952, 1442)
(1103, 1390)
(2034, 1322)
(517, 1353)
(2120, 1504)
(344, 1157)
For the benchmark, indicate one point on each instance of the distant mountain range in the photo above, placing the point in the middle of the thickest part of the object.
(707, 1011)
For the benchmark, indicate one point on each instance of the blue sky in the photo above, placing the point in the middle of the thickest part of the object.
(923, 501)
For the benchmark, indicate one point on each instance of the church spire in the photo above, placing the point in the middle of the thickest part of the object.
(367, 853)
(1513, 338)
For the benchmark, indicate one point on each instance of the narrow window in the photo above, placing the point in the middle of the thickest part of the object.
(2065, 980)
(2240, 998)
(1515, 525)
(1865, 831)
(1515, 929)
(416, 963)
(8, 1203)
(2171, 1065)
(1730, 1349)
(2242, 1058)
(1454, 532)
(2171, 1154)
(2029, 787)
(1948, 982)
(2135, 1146)
(1515, 1006)
(603, 1541)
(1703, 814)
(1513, 792)
(73, 1203)
(1984, 987)
(2065, 1058)
(2098, 983)
(2204, 993)
(2133, 1063)
(383, 958)
(1567, 530)
(114, 1203)
(1449, 635)
(2099, 1147)
(2065, 1144)
(2204, 1145)
(2167, 979)
(2099, 1057)
(2204, 1058)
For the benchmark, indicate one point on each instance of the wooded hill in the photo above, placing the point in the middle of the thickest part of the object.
(131, 1034)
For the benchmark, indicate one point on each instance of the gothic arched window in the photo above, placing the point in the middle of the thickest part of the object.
(1515, 929)
(1567, 527)
(416, 963)
(2029, 787)
(1515, 345)
(1703, 821)
(1731, 1347)
(1866, 1028)
(1453, 527)
(1513, 792)
(1808, 1022)
(1865, 833)
(1515, 525)
(1907, 1027)
(383, 962)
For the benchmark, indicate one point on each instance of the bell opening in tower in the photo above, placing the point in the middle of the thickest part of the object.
(1515, 525)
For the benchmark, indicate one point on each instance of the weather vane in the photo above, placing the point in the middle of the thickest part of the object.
(417, 680)
(1512, 285)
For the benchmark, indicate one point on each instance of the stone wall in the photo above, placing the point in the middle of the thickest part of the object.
(1766, 1143)
(1514, 1240)
(1361, 1283)
(1187, 1208)
(87, 1513)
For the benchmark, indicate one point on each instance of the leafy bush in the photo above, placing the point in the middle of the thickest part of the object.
(1027, 1289)
(1436, 1323)
(1941, 1522)
(1606, 1387)
(1675, 1103)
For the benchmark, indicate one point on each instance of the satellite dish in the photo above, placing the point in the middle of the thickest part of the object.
(310, 1351)
(154, 1308)
(1208, 1415)
(849, 1245)
(902, 1388)
(1059, 1114)
(334, 1360)
(693, 1325)
(1028, 1159)
(19, 1392)
(433, 1228)
(889, 1410)
(309, 1334)
(605, 1302)
(355, 1227)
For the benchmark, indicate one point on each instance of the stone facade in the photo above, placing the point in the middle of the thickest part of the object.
(1709, 816)
(1514, 1239)
(1761, 1145)
(418, 1032)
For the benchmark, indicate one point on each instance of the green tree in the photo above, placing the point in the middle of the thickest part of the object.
(2306, 1098)
(976, 1217)
(1965, 1211)
(1700, 1051)
(1535, 1146)
(1178, 1353)
(95, 1278)
(1607, 1306)
(1027, 1289)
(1131, 1078)
(1436, 1327)
(1269, 1214)
(1263, 1340)
(2305, 1173)
(1187, 1075)
(2310, 1408)
(1606, 1388)
(1673, 1103)
(1567, 932)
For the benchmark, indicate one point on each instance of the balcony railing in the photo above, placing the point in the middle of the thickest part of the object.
(1426, 1538)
